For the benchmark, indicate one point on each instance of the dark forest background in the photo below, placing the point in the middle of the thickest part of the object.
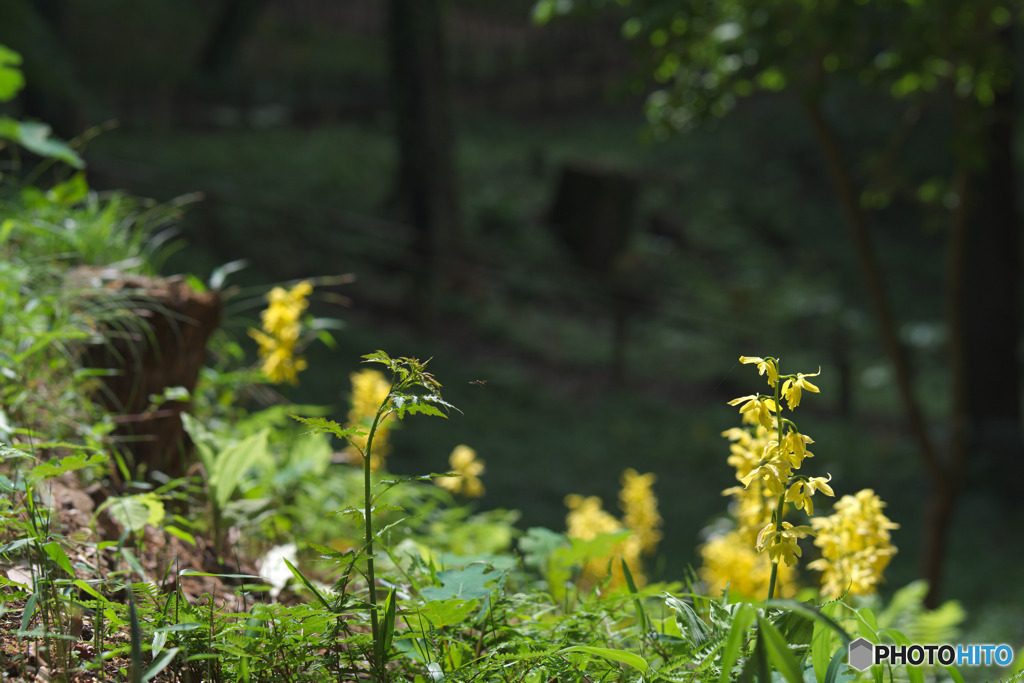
(513, 204)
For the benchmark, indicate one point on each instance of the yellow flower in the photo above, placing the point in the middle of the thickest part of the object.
(800, 492)
(792, 388)
(782, 543)
(640, 506)
(729, 560)
(587, 520)
(756, 409)
(281, 328)
(468, 468)
(370, 389)
(855, 545)
(764, 365)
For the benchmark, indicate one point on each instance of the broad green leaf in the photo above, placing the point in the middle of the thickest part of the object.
(441, 613)
(11, 78)
(35, 137)
(778, 652)
(621, 656)
(465, 584)
(821, 643)
(57, 554)
(232, 463)
(741, 620)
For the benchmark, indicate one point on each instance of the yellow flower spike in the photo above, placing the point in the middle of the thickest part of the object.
(640, 506)
(464, 463)
(855, 545)
(792, 388)
(764, 365)
(280, 333)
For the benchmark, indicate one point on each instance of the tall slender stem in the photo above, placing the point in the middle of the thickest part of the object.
(368, 519)
(780, 508)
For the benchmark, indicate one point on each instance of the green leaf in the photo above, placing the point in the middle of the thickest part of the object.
(160, 664)
(70, 192)
(914, 674)
(305, 582)
(822, 640)
(321, 425)
(691, 626)
(57, 554)
(232, 463)
(465, 584)
(741, 620)
(383, 644)
(55, 468)
(35, 137)
(778, 652)
(641, 615)
(621, 656)
(441, 613)
(11, 78)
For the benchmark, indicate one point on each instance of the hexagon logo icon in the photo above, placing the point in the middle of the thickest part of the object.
(862, 654)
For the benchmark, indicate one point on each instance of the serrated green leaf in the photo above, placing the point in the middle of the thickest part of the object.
(441, 613)
(691, 626)
(466, 583)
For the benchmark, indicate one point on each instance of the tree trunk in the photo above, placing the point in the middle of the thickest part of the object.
(233, 23)
(991, 307)
(426, 173)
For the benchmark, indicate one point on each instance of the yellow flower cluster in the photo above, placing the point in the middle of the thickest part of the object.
(370, 389)
(587, 520)
(640, 508)
(855, 545)
(280, 334)
(729, 561)
(465, 464)
(766, 454)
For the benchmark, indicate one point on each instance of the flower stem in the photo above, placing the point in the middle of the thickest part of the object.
(368, 517)
(780, 508)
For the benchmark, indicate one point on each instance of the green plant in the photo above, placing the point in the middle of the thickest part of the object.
(413, 390)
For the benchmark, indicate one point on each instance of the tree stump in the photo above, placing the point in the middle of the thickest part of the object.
(160, 344)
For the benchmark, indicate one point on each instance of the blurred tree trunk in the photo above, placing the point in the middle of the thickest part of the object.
(426, 174)
(990, 310)
(234, 22)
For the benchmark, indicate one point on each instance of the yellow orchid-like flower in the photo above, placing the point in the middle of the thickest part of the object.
(793, 388)
(767, 366)
(782, 544)
(756, 409)
(800, 492)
